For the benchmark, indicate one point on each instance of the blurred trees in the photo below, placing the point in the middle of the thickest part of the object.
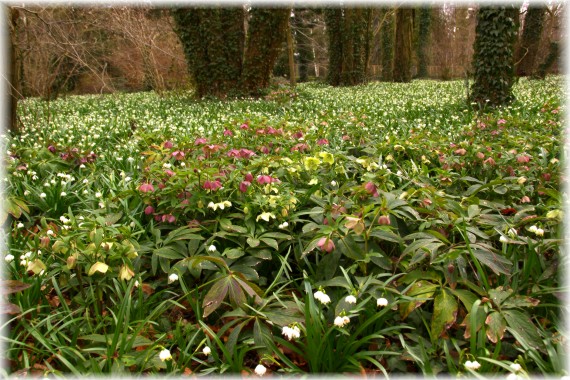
(59, 50)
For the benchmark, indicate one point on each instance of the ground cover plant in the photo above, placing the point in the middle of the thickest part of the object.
(384, 228)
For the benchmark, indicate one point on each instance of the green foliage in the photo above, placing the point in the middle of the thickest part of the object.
(327, 230)
(493, 61)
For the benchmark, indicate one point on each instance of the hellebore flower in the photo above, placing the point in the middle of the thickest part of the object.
(326, 244)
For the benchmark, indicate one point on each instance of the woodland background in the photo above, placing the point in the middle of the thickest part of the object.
(80, 50)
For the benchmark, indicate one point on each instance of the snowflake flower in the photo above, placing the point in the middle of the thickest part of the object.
(341, 321)
(319, 295)
(206, 350)
(350, 299)
(173, 277)
(291, 332)
(381, 302)
(260, 370)
(473, 365)
(165, 355)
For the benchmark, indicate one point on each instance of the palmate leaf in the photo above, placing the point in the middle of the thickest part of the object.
(232, 286)
(444, 313)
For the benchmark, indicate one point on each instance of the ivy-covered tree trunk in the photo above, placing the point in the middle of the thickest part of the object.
(333, 20)
(493, 61)
(348, 31)
(214, 43)
(266, 34)
(15, 74)
(213, 40)
(387, 41)
(423, 38)
(403, 48)
(530, 40)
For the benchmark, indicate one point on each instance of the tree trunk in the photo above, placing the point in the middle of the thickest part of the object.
(387, 50)
(493, 61)
(403, 46)
(266, 33)
(530, 40)
(333, 20)
(424, 23)
(291, 54)
(213, 40)
(15, 73)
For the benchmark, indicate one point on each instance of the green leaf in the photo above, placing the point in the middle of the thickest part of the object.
(421, 291)
(270, 242)
(496, 262)
(496, 326)
(168, 253)
(522, 328)
(253, 242)
(215, 296)
(444, 313)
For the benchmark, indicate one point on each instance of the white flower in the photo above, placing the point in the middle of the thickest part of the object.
(63, 194)
(26, 192)
(291, 332)
(9, 258)
(63, 219)
(165, 355)
(341, 321)
(381, 302)
(20, 225)
(503, 239)
(350, 299)
(474, 365)
(533, 228)
(173, 277)
(207, 350)
(539, 232)
(136, 284)
(130, 159)
(27, 254)
(260, 370)
(512, 233)
(98, 195)
(212, 248)
(43, 195)
(513, 376)
(82, 166)
(85, 181)
(516, 367)
(49, 232)
(319, 295)
(283, 225)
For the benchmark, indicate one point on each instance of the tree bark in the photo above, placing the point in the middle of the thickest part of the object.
(15, 74)
(266, 33)
(530, 40)
(403, 45)
(493, 61)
